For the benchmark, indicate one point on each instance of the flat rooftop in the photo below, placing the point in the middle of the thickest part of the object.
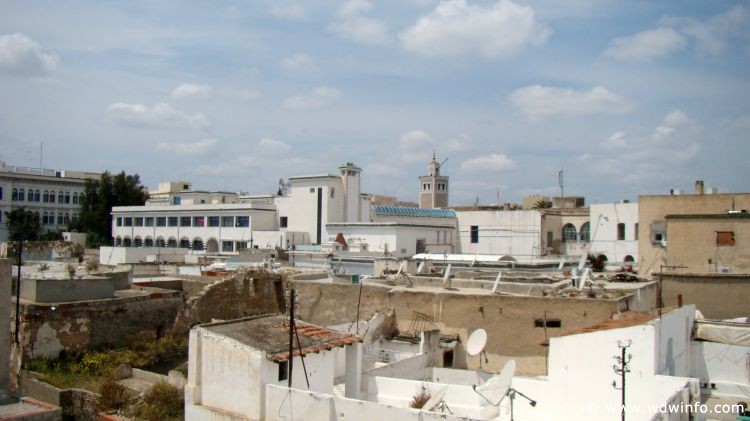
(270, 333)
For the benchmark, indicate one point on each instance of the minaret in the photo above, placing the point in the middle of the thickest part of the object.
(352, 211)
(433, 187)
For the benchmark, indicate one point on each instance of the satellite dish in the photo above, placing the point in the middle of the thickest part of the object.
(497, 387)
(497, 282)
(435, 400)
(562, 264)
(420, 267)
(583, 278)
(477, 341)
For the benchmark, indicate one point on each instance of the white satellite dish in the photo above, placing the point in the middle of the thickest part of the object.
(435, 400)
(420, 267)
(562, 263)
(497, 387)
(477, 341)
(400, 268)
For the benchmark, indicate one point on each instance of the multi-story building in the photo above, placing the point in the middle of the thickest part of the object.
(53, 196)
(703, 232)
(614, 231)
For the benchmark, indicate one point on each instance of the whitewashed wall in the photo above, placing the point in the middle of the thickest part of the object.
(514, 233)
(606, 241)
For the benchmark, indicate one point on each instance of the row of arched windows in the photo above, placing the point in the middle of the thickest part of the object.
(186, 243)
(48, 196)
(48, 218)
(570, 234)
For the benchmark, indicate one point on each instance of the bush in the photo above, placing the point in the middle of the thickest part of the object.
(113, 394)
(92, 266)
(162, 402)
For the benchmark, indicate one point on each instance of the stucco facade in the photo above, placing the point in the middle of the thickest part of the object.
(614, 231)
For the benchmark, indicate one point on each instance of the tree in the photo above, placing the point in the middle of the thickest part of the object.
(543, 204)
(99, 196)
(22, 224)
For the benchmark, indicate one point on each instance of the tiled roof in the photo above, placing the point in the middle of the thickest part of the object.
(416, 212)
(270, 333)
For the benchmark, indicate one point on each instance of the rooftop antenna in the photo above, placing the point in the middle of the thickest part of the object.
(560, 180)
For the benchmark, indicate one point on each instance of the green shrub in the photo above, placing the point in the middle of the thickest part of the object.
(113, 394)
(162, 402)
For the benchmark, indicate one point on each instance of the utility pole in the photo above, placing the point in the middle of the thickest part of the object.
(622, 367)
(291, 333)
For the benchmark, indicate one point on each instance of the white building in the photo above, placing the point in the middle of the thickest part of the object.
(53, 196)
(516, 233)
(230, 364)
(614, 231)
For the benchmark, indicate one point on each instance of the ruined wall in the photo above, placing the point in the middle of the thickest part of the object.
(717, 296)
(242, 294)
(48, 329)
(329, 304)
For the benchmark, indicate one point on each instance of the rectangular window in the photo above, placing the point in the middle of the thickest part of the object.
(172, 221)
(283, 370)
(119, 221)
(148, 221)
(240, 245)
(227, 246)
(185, 221)
(177, 200)
(550, 323)
(227, 221)
(128, 221)
(283, 222)
(213, 221)
(161, 221)
(621, 231)
(52, 197)
(243, 221)
(199, 221)
(474, 234)
(725, 238)
(138, 222)
(312, 189)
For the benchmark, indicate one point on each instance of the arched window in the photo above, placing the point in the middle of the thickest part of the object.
(629, 259)
(585, 232)
(37, 195)
(36, 217)
(569, 233)
(59, 218)
(148, 242)
(74, 218)
(126, 242)
(52, 196)
(172, 242)
(184, 243)
(197, 244)
(14, 195)
(45, 218)
(67, 218)
(75, 198)
(67, 197)
(137, 242)
(51, 220)
(60, 198)
(45, 198)
(160, 242)
(21, 195)
(118, 241)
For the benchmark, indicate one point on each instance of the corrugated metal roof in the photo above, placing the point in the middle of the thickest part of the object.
(415, 212)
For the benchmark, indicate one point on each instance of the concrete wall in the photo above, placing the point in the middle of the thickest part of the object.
(516, 233)
(717, 296)
(5, 315)
(655, 208)
(692, 244)
(399, 240)
(604, 239)
(461, 313)
(125, 255)
(81, 326)
(725, 365)
(57, 290)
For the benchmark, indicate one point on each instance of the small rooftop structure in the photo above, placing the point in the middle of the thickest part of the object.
(271, 334)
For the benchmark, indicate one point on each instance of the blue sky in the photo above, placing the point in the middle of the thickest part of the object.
(628, 97)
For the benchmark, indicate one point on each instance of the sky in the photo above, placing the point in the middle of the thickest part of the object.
(626, 97)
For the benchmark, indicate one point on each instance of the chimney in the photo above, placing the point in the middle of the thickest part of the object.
(699, 187)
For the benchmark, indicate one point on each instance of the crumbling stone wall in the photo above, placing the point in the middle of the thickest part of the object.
(241, 294)
(47, 329)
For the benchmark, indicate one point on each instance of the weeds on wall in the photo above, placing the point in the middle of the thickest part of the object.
(162, 402)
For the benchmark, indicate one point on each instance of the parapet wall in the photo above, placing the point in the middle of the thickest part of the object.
(717, 296)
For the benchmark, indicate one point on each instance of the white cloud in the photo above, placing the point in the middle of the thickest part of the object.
(160, 115)
(540, 102)
(646, 45)
(455, 144)
(676, 118)
(384, 170)
(239, 94)
(616, 140)
(489, 163)
(273, 146)
(711, 35)
(319, 97)
(291, 11)
(353, 25)
(189, 90)
(415, 146)
(196, 148)
(299, 62)
(585, 157)
(20, 55)
(455, 28)
(354, 7)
